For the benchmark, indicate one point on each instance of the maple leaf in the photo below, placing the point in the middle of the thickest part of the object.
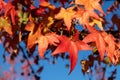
(52, 38)
(98, 22)
(88, 11)
(90, 5)
(48, 18)
(51, 21)
(36, 37)
(96, 5)
(73, 50)
(32, 38)
(42, 45)
(44, 41)
(10, 9)
(96, 37)
(104, 43)
(2, 5)
(32, 35)
(84, 16)
(4, 24)
(72, 47)
(66, 15)
(111, 51)
(23, 17)
(30, 26)
(45, 3)
(36, 11)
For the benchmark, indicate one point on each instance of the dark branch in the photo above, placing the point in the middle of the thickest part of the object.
(24, 54)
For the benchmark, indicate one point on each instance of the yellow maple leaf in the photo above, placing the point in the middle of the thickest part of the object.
(97, 22)
(5, 25)
(51, 21)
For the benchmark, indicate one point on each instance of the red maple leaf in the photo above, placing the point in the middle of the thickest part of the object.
(2, 5)
(72, 47)
(36, 11)
(10, 9)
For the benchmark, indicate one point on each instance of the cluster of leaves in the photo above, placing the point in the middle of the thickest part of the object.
(47, 25)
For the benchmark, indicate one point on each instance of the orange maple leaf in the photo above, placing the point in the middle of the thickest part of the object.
(66, 15)
(87, 11)
(96, 37)
(33, 35)
(44, 41)
(111, 48)
(32, 38)
(72, 47)
(42, 45)
(83, 16)
(45, 3)
(105, 43)
(90, 5)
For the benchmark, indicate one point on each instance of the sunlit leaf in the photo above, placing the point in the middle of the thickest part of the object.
(2, 5)
(52, 39)
(4, 24)
(10, 9)
(32, 38)
(23, 17)
(51, 21)
(44, 41)
(90, 5)
(66, 15)
(98, 39)
(111, 51)
(44, 3)
(72, 48)
(98, 22)
(42, 45)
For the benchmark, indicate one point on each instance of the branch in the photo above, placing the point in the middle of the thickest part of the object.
(24, 54)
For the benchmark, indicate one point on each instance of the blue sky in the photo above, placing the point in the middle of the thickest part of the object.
(59, 72)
